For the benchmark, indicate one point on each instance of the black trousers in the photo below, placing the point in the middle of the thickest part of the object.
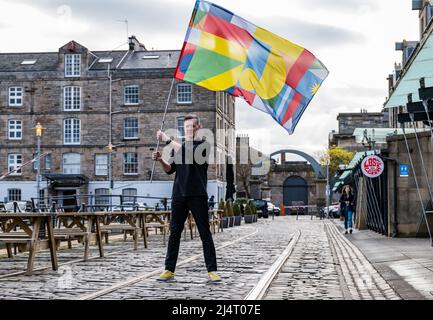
(179, 214)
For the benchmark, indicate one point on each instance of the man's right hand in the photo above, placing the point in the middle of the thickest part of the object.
(157, 156)
(162, 136)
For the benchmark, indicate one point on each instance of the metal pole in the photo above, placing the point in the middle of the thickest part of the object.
(162, 126)
(110, 145)
(328, 191)
(38, 168)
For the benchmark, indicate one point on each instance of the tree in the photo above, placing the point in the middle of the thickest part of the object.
(244, 174)
(337, 156)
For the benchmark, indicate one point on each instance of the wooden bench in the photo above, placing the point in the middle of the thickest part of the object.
(27, 236)
(215, 219)
(79, 226)
(158, 220)
(133, 221)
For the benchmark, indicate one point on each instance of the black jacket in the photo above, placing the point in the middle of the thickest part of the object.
(347, 198)
(190, 163)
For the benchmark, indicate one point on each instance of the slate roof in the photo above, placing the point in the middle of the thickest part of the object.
(48, 61)
(11, 62)
(166, 59)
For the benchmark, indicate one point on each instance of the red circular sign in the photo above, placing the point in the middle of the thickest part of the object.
(372, 166)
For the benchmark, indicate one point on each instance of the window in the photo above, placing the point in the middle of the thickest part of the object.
(184, 93)
(71, 163)
(72, 65)
(131, 95)
(429, 13)
(48, 161)
(130, 128)
(14, 194)
(101, 164)
(15, 96)
(14, 162)
(101, 196)
(129, 195)
(41, 195)
(15, 131)
(28, 62)
(180, 127)
(130, 163)
(72, 98)
(71, 131)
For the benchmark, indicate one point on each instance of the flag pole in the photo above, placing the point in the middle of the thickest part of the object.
(162, 126)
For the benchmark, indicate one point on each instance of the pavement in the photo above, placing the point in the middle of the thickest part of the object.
(325, 264)
(405, 263)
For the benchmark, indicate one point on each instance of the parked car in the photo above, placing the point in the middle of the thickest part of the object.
(23, 206)
(262, 208)
(334, 210)
(129, 206)
(273, 209)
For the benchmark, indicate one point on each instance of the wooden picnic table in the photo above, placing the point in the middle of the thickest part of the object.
(134, 219)
(157, 220)
(29, 224)
(73, 225)
(79, 225)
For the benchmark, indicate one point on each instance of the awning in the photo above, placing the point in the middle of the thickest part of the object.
(352, 165)
(421, 67)
(66, 180)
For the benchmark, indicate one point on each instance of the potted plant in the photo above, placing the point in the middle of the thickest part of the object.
(242, 202)
(237, 214)
(229, 214)
(254, 210)
(224, 221)
(249, 214)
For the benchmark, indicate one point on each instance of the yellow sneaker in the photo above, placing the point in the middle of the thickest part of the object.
(166, 276)
(213, 277)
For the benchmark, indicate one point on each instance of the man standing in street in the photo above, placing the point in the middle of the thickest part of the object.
(190, 162)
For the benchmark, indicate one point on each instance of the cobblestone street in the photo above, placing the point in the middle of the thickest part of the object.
(323, 265)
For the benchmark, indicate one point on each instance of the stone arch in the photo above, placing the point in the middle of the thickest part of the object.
(316, 166)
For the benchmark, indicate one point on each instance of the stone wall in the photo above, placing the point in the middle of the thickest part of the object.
(407, 207)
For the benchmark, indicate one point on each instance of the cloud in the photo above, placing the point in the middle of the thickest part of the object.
(144, 16)
(354, 6)
(311, 35)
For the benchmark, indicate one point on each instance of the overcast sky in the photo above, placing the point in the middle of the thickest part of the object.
(353, 38)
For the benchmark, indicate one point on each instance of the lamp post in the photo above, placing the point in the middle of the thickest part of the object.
(110, 146)
(38, 130)
(328, 191)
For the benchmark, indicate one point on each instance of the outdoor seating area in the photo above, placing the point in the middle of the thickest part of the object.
(24, 232)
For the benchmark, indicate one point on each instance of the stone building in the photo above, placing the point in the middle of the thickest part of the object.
(284, 183)
(346, 138)
(68, 93)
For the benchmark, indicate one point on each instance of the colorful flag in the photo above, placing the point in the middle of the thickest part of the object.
(223, 52)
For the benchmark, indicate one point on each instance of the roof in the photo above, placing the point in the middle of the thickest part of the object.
(379, 135)
(420, 66)
(11, 62)
(166, 59)
(66, 180)
(49, 61)
(352, 165)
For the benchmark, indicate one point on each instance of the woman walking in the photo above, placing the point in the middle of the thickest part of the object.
(347, 200)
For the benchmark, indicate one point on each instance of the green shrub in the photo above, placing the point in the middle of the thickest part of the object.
(230, 208)
(236, 209)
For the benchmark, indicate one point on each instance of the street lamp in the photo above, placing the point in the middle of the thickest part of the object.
(110, 146)
(328, 189)
(38, 131)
